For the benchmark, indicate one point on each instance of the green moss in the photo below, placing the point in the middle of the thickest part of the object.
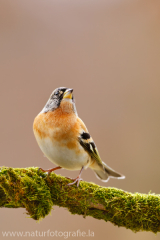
(38, 192)
(24, 188)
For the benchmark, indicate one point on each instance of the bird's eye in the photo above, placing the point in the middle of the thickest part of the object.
(56, 93)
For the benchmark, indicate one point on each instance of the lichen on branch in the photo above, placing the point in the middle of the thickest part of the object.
(38, 193)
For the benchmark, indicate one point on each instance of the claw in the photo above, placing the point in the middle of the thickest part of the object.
(76, 180)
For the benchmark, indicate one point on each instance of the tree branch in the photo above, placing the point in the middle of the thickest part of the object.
(37, 192)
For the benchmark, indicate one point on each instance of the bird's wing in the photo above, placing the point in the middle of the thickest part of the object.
(88, 144)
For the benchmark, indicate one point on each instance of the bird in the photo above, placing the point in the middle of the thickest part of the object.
(65, 140)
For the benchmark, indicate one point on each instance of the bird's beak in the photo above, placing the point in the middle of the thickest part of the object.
(68, 93)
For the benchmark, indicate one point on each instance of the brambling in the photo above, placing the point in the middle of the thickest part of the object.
(64, 139)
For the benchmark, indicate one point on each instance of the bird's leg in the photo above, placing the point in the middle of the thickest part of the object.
(49, 170)
(76, 180)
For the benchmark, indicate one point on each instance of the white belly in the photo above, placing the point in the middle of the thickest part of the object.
(63, 156)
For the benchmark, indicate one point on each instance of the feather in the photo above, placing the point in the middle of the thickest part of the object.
(90, 147)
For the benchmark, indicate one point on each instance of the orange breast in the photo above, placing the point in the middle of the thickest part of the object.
(59, 126)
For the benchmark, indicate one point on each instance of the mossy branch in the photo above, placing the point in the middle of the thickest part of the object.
(34, 190)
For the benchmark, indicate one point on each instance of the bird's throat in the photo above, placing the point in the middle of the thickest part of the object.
(66, 107)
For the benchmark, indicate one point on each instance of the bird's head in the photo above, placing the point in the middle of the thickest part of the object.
(61, 97)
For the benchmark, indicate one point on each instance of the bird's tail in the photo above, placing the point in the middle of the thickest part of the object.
(104, 172)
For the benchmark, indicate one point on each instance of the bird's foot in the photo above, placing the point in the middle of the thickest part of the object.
(76, 180)
(49, 170)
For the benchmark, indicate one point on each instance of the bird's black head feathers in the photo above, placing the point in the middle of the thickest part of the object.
(55, 100)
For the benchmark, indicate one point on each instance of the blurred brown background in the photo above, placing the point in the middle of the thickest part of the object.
(109, 52)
